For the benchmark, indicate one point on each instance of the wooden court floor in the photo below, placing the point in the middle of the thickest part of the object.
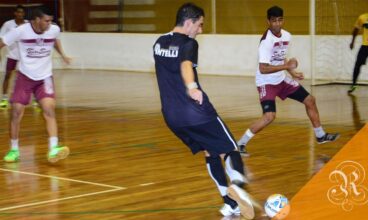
(126, 164)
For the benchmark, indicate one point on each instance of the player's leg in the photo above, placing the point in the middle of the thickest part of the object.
(360, 60)
(267, 96)
(309, 101)
(10, 67)
(200, 138)
(44, 93)
(217, 173)
(216, 139)
(16, 117)
(227, 148)
(19, 100)
(269, 115)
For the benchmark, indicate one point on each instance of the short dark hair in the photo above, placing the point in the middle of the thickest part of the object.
(188, 11)
(19, 7)
(40, 11)
(275, 11)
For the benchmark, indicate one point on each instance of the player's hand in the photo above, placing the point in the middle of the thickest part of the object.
(351, 45)
(297, 75)
(292, 64)
(196, 95)
(67, 60)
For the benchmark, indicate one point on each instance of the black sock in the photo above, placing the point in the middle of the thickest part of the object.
(230, 201)
(217, 173)
(236, 161)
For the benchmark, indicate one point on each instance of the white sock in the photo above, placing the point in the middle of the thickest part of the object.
(5, 96)
(246, 137)
(53, 142)
(319, 132)
(14, 144)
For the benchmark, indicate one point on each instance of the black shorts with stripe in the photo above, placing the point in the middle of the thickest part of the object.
(213, 136)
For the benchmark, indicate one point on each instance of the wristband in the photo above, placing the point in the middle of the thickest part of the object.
(192, 85)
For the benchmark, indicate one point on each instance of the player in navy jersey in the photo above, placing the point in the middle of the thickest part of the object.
(272, 81)
(189, 113)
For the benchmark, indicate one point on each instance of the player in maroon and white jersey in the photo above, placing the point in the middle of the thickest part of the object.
(272, 80)
(35, 41)
(13, 54)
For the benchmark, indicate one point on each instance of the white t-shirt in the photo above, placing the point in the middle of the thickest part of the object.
(12, 49)
(35, 50)
(272, 50)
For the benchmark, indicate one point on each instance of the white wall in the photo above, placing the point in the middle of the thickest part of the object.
(218, 54)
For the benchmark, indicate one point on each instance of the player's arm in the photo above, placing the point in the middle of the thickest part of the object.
(292, 71)
(354, 34)
(187, 74)
(266, 68)
(60, 50)
(265, 55)
(358, 24)
(2, 44)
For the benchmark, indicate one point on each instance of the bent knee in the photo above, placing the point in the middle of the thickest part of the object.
(310, 100)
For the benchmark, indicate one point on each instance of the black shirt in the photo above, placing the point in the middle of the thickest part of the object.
(179, 110)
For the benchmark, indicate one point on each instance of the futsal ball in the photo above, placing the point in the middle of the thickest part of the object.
(277, 206)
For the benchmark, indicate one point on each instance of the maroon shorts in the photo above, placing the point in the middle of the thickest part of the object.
(282, 90)
(11, 64)
(24, 87)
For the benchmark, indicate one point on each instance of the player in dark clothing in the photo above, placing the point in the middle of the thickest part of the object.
(189, 113)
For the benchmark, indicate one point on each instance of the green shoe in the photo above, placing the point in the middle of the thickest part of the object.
(58, 153)
(12, 156)
(4, 103)
(352, 88)
(35, 103)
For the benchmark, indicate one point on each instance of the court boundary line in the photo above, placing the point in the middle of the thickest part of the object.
(114, 188)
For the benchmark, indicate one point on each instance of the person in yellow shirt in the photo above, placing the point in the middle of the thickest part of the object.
(360, 24)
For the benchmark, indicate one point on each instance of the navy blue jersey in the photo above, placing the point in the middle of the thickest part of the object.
(178, 108)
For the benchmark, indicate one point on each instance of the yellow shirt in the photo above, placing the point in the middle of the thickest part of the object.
(362, 22)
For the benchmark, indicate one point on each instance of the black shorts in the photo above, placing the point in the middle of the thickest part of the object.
(213, 136)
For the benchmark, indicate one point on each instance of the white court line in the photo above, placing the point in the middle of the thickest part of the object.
(115, 188)
(56, 200)
(146, 184)
(62, 178)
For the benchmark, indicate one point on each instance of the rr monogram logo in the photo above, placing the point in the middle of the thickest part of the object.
(349, 190)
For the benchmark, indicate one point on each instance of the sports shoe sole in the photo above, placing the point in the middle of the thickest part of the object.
(244, 202)
(62, 154)
(337, 137)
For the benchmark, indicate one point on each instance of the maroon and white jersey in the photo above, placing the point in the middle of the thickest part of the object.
(12, 49)
(272, 50)
(35, 50)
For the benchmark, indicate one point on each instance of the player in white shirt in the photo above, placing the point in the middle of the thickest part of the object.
(35, 41)
(13, 54)
(272, 80)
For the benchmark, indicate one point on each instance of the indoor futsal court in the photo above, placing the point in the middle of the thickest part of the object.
(124, 161)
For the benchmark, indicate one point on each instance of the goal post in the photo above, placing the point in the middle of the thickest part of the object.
(331, 25)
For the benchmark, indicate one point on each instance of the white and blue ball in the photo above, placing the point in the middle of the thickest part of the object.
(277, 206)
